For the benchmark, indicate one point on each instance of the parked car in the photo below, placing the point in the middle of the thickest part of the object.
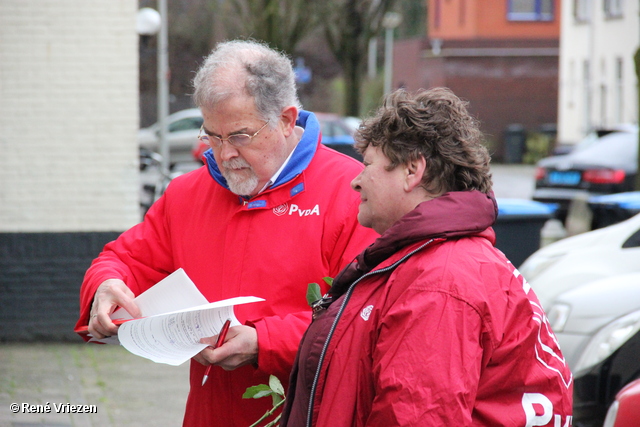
(599, 165)
(183, 129)
(578, 260)
(589, 286)
(337, 133)
(599, 334)
(625, 409)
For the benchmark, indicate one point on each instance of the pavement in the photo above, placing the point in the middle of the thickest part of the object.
(125, 390)
(121, 389)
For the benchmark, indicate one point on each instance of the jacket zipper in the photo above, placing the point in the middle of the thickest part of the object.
(335, 323)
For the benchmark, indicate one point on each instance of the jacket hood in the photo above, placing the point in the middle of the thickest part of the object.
(453, 214)
(300, 159)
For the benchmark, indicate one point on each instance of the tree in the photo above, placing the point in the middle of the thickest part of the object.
(349, 25)
(280, 23)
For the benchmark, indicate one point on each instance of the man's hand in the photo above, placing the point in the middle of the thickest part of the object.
(111, 294)
(239, 348)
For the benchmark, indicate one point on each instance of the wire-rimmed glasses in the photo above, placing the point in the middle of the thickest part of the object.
(237, 140)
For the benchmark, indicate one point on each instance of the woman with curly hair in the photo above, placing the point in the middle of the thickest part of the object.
(431, 325)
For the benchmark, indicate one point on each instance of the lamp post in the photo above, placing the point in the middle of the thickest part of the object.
(150, 22)
(390, 21)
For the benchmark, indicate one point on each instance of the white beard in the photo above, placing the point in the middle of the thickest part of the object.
(241, 183)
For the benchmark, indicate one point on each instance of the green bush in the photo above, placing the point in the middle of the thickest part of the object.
(538, 145)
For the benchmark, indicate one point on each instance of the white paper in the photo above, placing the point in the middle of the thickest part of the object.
(174, 338)
(175, 292)
(175, 316)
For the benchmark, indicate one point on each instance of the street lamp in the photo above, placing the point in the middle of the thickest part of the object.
(150, 22)
(390, 21)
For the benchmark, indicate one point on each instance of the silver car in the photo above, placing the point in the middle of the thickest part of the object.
(183, 129)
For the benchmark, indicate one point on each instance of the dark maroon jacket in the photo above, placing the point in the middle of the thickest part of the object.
(433, 326)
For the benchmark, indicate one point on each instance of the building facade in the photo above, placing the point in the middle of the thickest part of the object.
(598, 80)
(68, 152)
(500, 55)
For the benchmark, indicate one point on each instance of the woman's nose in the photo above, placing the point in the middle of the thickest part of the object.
(355, 183)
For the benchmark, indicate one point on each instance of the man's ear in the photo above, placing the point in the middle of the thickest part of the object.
(414, 171)
(288, 119)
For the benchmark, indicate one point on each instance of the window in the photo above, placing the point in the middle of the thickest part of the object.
(586, 87)
(189, 123)
(613, 8)
(582, 10)
(619, 105)
(530, 10)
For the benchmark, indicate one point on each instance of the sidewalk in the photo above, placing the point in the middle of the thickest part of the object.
(127, 390)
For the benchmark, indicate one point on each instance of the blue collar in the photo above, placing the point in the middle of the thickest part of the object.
(300, 159)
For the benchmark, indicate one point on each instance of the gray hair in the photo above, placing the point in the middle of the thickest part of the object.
(251, 68)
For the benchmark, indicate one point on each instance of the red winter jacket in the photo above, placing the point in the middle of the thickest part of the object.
(442, 332)
(272, 247)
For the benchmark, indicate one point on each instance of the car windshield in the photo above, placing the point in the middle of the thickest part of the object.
(188, 123)
(618, 147)
(587, 142)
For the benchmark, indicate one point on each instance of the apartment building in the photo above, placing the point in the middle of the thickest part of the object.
(598, 80)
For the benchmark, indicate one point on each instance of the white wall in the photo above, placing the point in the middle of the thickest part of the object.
(597, 100)
(68, 115)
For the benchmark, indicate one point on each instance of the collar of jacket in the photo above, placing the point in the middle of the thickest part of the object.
(300, 159)
(453, 214)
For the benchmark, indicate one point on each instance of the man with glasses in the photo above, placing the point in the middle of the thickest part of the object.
(270, 212)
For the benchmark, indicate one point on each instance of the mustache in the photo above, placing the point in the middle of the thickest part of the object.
(236, 163)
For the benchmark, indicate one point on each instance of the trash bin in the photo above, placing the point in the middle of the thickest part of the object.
(613, 208)
(519, 225)
(515, 140)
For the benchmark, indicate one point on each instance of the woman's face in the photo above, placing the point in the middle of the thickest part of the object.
(382, 192)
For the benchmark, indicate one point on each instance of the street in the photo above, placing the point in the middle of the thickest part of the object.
(513, 181)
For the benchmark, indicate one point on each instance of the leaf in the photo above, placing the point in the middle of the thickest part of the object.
(276, 398)
(276, 385)
(263, 393)
(252, 392)
(328, 281)
(313, 293)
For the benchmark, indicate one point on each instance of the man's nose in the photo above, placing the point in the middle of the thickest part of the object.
(227, 151)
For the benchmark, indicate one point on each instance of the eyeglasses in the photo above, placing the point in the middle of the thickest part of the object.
(237, 140)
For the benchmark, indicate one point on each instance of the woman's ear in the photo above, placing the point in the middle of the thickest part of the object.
(414, 171)
(288, 119)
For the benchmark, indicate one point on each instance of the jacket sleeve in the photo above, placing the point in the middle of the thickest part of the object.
(427, 361)
(140, 257)
(278, 338)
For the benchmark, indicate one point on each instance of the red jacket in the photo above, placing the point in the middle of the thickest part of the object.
(450, 335)
(272, 247)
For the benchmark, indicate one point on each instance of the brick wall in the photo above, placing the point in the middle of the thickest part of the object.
(506, 81)
(68, 153)
(68, 115)
(40, 282)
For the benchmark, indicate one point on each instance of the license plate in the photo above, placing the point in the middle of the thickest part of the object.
(564, 178)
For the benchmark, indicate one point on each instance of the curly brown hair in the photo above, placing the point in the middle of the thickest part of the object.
(436, 125)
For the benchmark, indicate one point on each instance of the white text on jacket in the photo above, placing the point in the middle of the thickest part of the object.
(538, 410)
(304, 212)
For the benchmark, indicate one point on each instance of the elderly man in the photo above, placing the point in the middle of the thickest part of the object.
(433, 326)
(270, 212)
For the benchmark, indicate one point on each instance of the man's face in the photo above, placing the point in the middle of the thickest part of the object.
(381, 191)
(247, 169)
